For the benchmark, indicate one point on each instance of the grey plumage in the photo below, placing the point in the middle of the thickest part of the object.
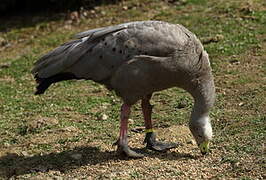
(99, 53)
(134, 59)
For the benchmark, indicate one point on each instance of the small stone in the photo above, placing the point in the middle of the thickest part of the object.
(5, 65)
(191, 141)
(241, 104)
(234, 61)
(76, 156)
(130, 121)
(182, 104)
(103, 13)
(125, 8)
(216, 38)
(25, 153)
(105, 105)
(84, 14)
(104, 117)
(219, 37)
(138, 129)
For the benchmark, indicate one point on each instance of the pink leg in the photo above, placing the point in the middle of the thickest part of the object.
(125, 112)
(147, 110)
(122, 142)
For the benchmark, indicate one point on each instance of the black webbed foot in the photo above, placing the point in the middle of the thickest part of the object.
(123, 149)
(155, 145)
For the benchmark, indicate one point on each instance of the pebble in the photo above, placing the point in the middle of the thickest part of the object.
(191, 141)
(130, 121)
(25, 153)
(104, 117)
(76, 156)
(234, 61)
(125, 8)
(241, 104)
(4, 65)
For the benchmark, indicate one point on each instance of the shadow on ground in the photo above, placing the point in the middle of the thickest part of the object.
(28, 14)
(15, 165)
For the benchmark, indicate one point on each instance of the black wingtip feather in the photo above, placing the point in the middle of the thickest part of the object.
(44, 83)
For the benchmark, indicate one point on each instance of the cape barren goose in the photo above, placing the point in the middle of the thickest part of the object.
(136, 59)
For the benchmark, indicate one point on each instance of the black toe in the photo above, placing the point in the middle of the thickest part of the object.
(155, 145)
(123, 149)
(160, 146)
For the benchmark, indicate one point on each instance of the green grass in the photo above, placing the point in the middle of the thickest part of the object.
(238, 116)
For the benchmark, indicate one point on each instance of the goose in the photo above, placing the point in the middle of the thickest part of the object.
(136, 59)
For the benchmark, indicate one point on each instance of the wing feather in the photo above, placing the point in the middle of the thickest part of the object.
(70, 53)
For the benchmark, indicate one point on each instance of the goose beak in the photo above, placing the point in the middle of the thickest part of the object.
(204, 147)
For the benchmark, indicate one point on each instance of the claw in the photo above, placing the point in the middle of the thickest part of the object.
(125, 150)
(155, 145)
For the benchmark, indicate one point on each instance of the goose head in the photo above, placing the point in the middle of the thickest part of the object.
(201, 129)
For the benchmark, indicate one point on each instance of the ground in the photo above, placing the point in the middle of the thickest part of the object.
(68, 132)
